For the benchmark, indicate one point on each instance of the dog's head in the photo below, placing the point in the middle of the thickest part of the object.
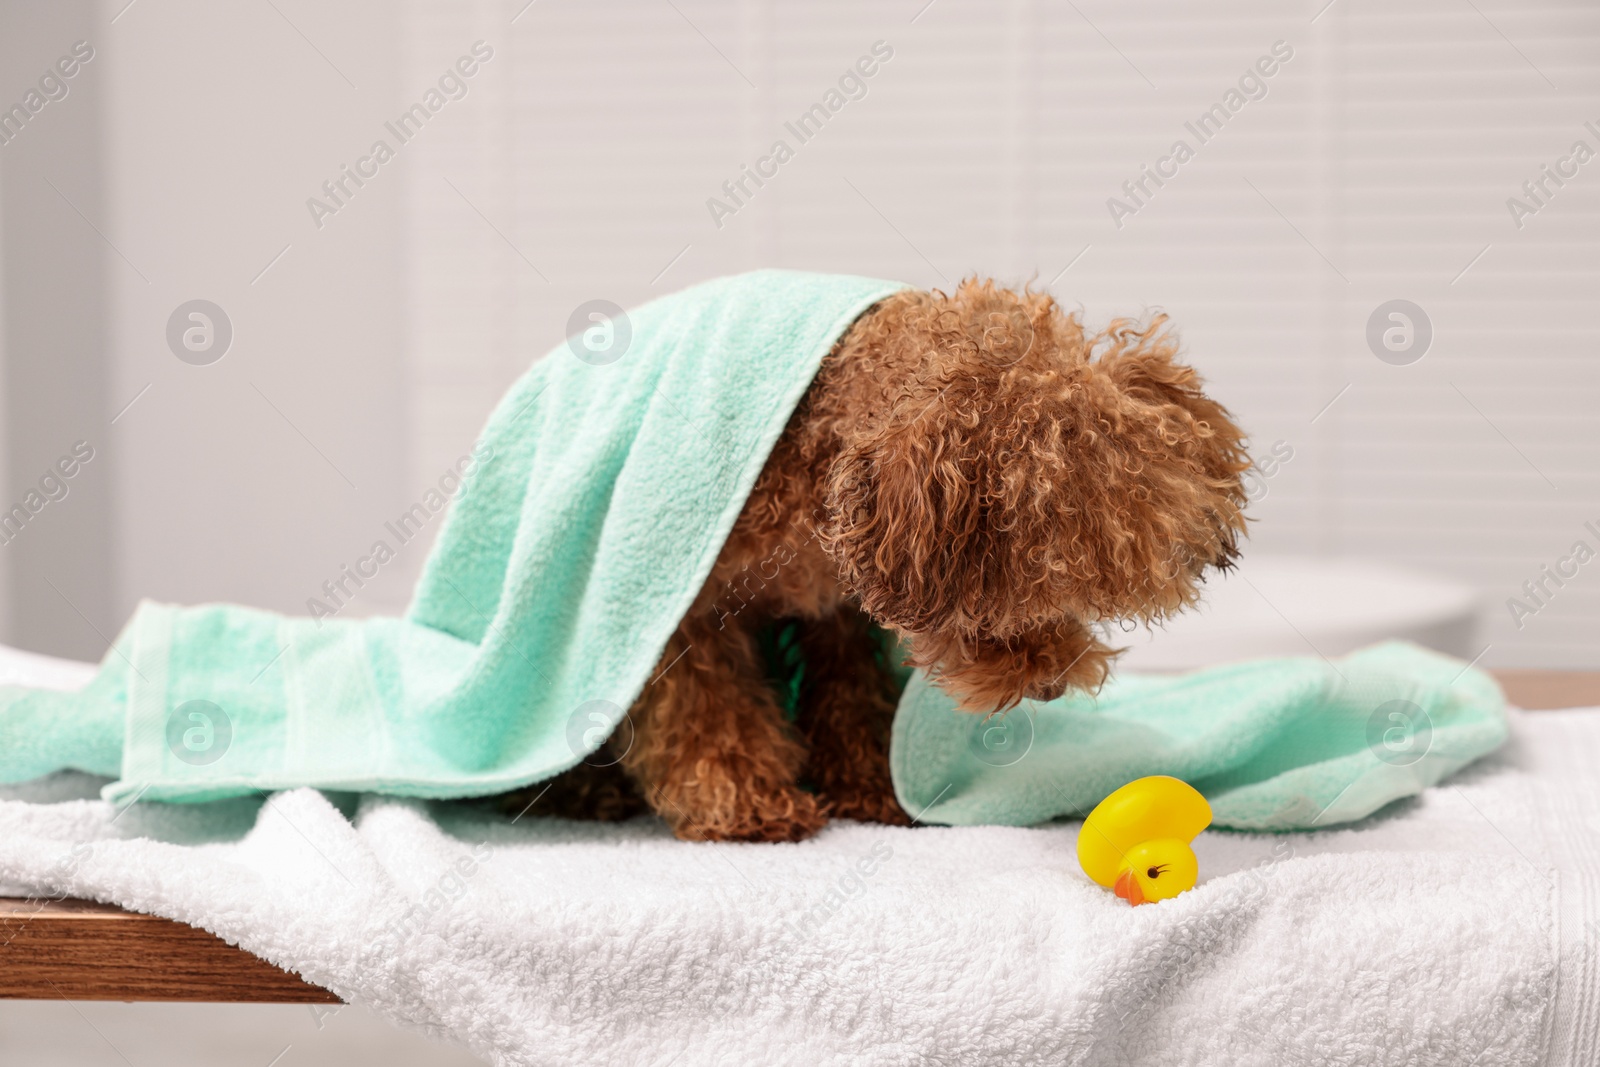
(1024, 483)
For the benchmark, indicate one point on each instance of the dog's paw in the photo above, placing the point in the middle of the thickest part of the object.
(790, 815)
(868, 805)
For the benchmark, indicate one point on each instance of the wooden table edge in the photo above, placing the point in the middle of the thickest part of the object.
(1544, 690)
(81, 950)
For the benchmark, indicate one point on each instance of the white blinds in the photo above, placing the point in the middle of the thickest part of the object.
(1373, 164)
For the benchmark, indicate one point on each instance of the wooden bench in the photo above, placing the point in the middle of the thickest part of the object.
(78, 950)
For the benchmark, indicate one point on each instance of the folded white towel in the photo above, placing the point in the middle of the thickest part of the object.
(1457, 928)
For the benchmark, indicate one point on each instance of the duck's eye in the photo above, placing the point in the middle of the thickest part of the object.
(1155, 872)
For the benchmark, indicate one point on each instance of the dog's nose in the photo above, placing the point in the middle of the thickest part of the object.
(1046, 690)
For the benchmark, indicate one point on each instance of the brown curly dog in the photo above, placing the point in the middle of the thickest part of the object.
(972, 473)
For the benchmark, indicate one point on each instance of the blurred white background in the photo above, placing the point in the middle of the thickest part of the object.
(368, 350)
(1374, 164)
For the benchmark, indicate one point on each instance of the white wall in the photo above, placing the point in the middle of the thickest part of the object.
(255, 478)
(6, 601)
(579, 165)
(181, 162)
(53, 267)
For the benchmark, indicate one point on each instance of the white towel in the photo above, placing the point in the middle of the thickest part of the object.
(1456, 928)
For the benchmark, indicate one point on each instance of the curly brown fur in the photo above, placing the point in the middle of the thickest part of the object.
(711, 751)
(846, 711)
(975, 473)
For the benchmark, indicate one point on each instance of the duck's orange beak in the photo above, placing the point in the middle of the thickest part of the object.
(1127, 888)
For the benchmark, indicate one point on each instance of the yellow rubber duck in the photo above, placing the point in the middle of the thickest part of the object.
(1136, 840)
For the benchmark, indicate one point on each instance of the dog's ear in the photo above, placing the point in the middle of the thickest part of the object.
(1196, 436)
(1169, 461)
(1141, 361)
(939, 503)
(902, 512)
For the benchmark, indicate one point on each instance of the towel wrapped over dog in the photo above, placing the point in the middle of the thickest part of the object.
(605, 484)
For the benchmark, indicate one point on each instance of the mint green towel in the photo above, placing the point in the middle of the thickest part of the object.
(603, 494)
(1279, 744)
(600, 496)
